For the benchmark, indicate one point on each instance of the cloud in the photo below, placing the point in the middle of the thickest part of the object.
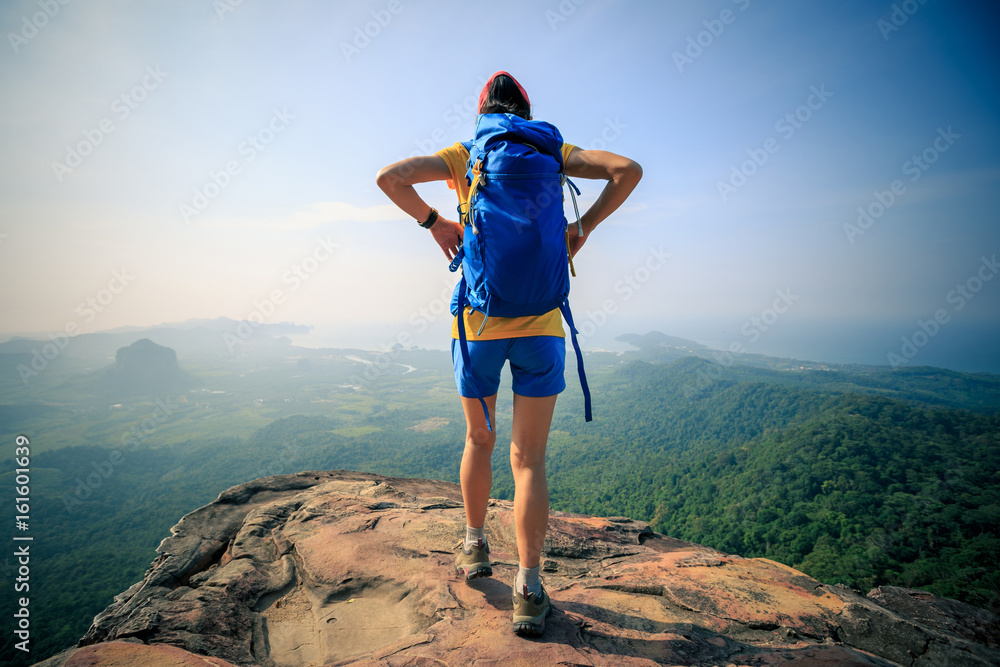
(313, 216)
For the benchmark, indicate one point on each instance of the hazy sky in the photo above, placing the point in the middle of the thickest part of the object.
(170, 160)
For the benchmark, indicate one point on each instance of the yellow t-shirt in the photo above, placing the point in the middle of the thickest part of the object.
(549, 324)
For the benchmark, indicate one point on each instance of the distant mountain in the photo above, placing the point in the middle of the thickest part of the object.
(656, 347)
(219, 337)
(655, 339)
(220, 324)
(146, 368)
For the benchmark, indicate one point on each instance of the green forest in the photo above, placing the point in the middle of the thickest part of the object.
(850, 488)
(855, 476)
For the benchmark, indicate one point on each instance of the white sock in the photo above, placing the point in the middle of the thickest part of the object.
(473, 536)
(527, 582)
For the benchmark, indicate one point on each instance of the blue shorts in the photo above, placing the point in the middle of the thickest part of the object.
(537, 364)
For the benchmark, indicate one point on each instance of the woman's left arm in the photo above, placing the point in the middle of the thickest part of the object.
(397, 180)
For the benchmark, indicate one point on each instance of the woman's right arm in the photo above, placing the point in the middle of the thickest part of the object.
(397, 180)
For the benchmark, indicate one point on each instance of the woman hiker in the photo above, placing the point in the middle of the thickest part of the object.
(535, 346)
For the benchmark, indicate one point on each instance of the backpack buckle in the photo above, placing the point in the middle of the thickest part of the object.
(457, 262)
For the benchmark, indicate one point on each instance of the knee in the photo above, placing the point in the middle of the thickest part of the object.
(480, 438)
(521, 460)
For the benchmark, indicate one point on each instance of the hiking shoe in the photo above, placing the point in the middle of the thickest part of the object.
(530, 613)
(475, 562)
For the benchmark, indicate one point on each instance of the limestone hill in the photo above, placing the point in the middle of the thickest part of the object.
(145, 368)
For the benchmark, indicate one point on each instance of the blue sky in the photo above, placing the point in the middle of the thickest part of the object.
(762, 127)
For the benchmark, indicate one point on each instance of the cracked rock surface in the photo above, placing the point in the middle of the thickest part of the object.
(345, 568)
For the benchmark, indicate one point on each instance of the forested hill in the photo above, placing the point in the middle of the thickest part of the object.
(859, 475)
(805, 469)
(691, 376)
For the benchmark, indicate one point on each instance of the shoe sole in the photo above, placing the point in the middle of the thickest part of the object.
(531, 626)
(475, 572)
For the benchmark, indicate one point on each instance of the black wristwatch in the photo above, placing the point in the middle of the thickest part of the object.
(431, 219)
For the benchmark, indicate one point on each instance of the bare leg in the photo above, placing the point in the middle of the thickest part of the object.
(529, 435)
(477, 472)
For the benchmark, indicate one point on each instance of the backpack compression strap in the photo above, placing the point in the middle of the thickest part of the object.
(564, 307)
(579, 223)
(464, 345)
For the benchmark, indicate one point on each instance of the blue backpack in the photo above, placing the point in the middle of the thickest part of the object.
(514, 254)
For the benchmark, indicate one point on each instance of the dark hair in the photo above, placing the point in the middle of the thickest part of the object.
(504, 96)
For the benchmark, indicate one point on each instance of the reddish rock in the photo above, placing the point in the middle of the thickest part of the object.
(340, 568)
(131, 654)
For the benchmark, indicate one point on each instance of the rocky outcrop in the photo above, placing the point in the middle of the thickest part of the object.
(342, 568)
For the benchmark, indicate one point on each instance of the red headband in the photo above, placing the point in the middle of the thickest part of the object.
(486, 88)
